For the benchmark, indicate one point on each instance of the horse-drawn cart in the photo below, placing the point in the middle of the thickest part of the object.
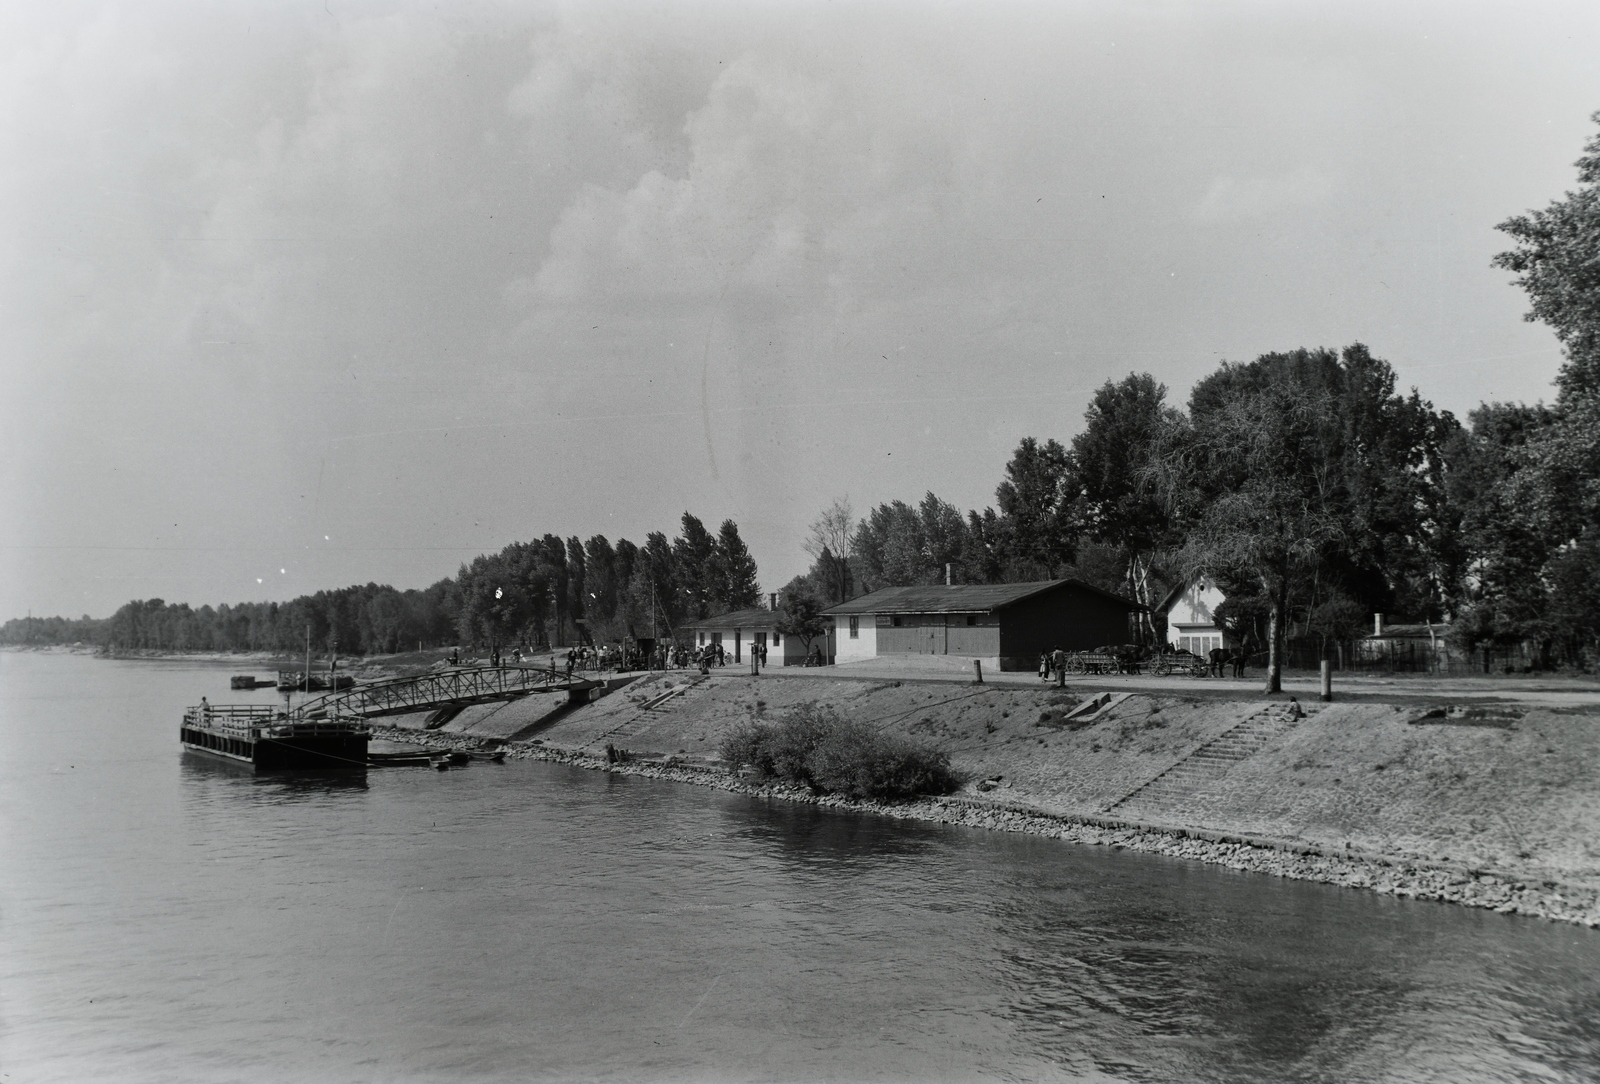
(1180, 662)
(1104, 660)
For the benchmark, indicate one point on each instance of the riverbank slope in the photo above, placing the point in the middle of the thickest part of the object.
(1479, 800)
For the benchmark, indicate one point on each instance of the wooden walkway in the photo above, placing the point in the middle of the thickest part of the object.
(457, 687)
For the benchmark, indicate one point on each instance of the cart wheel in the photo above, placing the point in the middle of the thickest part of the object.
(1075, 664)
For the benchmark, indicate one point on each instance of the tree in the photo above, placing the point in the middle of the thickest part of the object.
(1557, 260)
(1117, 495)
(830, 579)
(801, 614)
(495, 602)
(577, 583)
(695, 557)
(888, 545)
(833, 533)
(898, 545)
(736, 585)
(652, 605)
(1384, 476)
(944, 537)
(602, 585)
(1546, 480)
(1038, 536)
(1254, 475)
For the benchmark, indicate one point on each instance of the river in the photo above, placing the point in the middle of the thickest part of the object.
(166, 918)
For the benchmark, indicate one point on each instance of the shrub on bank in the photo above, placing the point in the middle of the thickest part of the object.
(819, 748)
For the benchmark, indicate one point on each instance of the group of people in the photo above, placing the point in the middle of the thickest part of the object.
(665, 654)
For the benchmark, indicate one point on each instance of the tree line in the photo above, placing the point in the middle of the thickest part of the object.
(1305, 483)
(1311, 489)
(538, 594)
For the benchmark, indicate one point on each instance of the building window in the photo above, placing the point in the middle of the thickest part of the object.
(777, 640)
(972, 619)
(855, 628)
(899, 621)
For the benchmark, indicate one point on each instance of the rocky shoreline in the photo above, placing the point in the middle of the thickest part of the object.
(1409, 878)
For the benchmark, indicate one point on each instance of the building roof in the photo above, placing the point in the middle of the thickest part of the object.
(753, 617)
(1172, 596)
(960, 598)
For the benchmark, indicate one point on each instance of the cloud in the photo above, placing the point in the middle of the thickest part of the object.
(788, 187)
(1231, 199)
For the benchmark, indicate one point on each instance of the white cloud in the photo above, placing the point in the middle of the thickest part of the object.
(788, 185)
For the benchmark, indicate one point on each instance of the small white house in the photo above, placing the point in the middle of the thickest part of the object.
(1191, 616)
(740, 631)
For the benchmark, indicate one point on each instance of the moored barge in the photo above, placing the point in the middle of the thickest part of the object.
(265, 737)
(303, 681)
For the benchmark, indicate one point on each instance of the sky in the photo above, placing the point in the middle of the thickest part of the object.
(305, 293)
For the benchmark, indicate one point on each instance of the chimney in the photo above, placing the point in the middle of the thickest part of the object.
(772, 601)
(947, 574)
(1377, 624)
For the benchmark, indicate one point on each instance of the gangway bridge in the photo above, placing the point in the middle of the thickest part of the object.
(457, 687)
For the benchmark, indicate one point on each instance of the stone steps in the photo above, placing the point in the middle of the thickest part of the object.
(1169, 791)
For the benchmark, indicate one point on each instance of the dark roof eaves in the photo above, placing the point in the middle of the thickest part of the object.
(862, 604)
(747, 618)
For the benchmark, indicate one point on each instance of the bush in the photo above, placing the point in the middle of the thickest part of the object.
(818, 748)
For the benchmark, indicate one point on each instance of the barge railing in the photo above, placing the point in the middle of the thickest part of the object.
(465, 685)
(255, 719)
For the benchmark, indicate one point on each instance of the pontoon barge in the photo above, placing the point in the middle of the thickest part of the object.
(265, 737)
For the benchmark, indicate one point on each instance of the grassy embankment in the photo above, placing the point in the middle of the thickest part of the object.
(1499, 811)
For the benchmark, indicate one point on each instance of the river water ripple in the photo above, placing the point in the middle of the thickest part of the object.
(167, 918)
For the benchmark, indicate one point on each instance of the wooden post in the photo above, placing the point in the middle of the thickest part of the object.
(977, 671)
(1327, 680)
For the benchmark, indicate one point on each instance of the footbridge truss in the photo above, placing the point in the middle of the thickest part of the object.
(442, 689)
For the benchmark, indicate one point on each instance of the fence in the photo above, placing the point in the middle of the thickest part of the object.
(1403, 657)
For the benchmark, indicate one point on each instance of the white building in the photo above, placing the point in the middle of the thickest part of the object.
(757, 626)
(1191, 620)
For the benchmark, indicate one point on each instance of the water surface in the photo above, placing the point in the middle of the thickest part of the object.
(167, 918)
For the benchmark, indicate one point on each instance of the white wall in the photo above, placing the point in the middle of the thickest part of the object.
(864, 646)
(1192, 616)
(747, 636)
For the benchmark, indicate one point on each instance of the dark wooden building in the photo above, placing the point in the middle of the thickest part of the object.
(1007, 625)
